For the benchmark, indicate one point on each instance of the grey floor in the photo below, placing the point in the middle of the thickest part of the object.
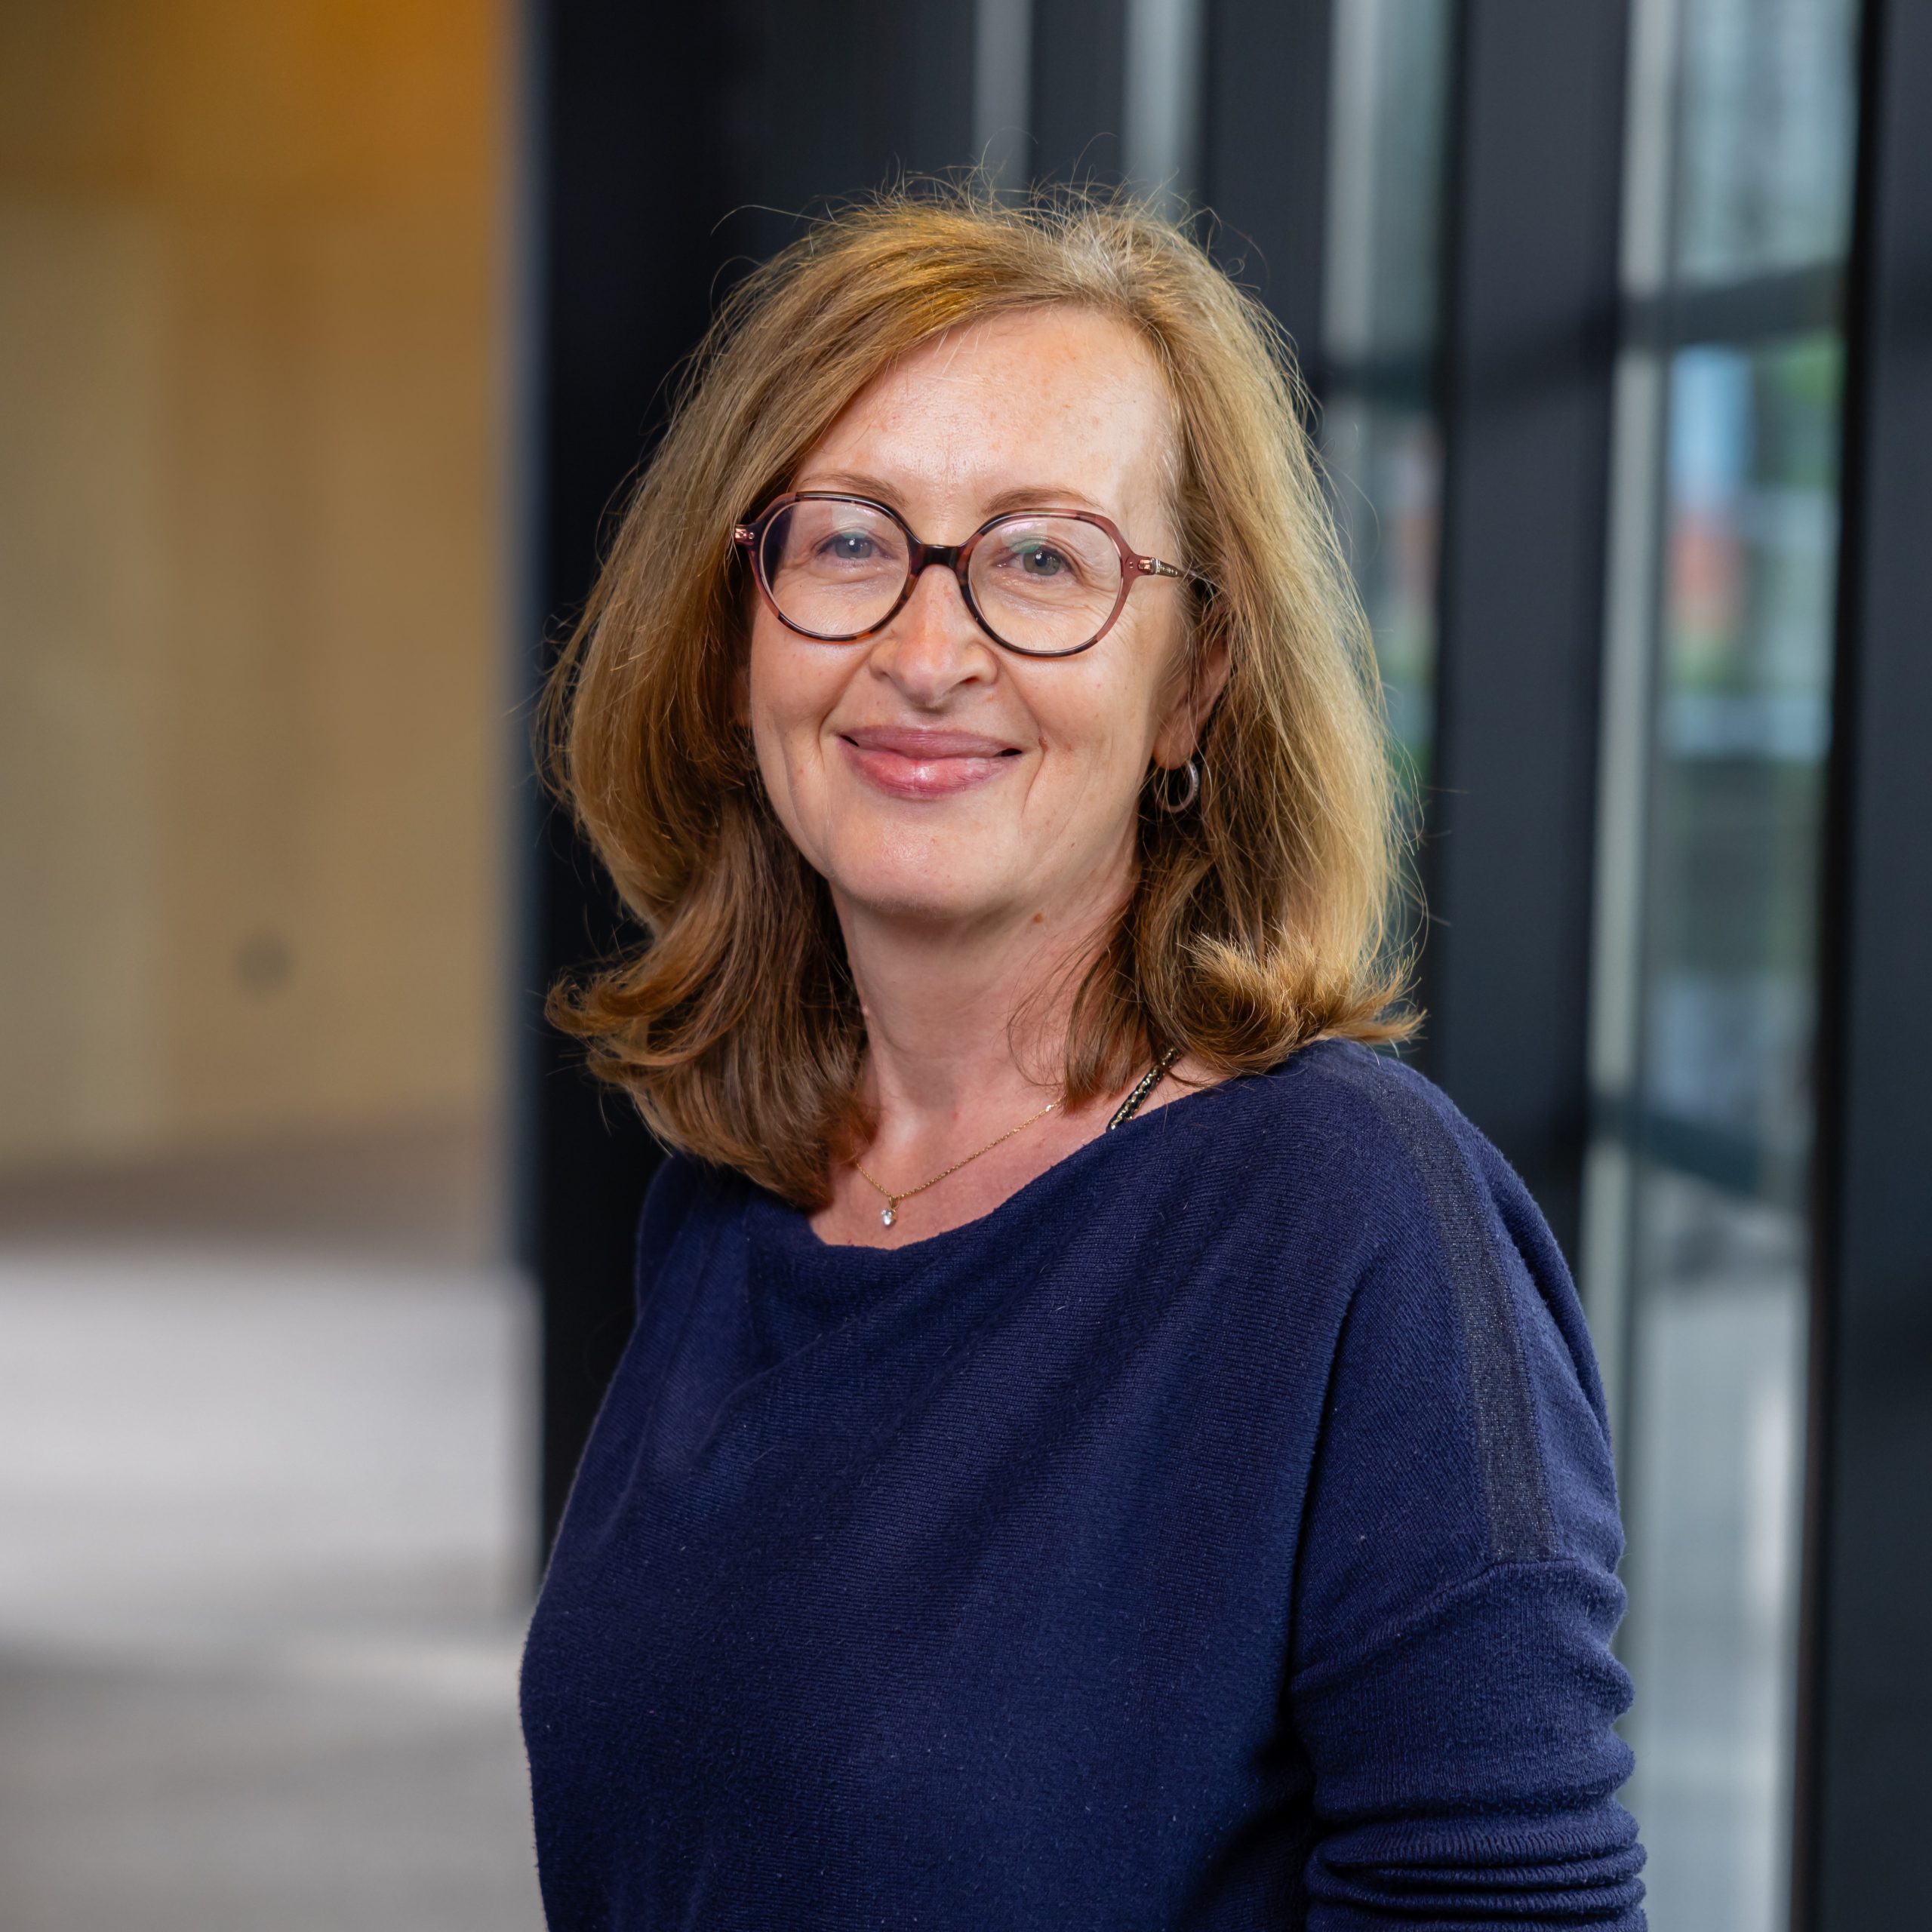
(263, 1565)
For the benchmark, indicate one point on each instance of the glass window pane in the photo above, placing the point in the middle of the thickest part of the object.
(1717, 711)
(1379, 436)
(1721, 1121)
(1742, 730)
(1390, 116)
(1765, 105)
(1711, 1465)
(1386, 459)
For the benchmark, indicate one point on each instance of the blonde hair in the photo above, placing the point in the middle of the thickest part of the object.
(1257, 919)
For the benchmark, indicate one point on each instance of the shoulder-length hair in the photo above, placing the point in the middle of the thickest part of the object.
(1257, 919)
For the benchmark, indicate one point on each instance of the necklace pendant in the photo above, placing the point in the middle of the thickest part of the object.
(888, 1215)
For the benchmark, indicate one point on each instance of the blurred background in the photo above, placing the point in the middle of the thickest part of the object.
(330, 333)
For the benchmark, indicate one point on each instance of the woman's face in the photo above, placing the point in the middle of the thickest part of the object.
(925, 771)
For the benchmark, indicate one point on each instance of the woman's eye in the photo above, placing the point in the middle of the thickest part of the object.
(1037, 560)
(849, 546)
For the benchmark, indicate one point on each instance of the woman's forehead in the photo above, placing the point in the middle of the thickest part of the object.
(1053, 396)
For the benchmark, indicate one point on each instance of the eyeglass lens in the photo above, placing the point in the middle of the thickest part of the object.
(1042, 583)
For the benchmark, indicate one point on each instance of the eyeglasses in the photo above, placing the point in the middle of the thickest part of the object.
(1045, 583)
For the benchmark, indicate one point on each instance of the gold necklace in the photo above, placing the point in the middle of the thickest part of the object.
(1129, 1107)
(890, 1213)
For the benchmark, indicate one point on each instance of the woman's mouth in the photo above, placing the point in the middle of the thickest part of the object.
(909, 762)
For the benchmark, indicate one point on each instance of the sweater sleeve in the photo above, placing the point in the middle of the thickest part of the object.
(1451, 1674)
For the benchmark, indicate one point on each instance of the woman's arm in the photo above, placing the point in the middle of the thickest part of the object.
(1452, 1680)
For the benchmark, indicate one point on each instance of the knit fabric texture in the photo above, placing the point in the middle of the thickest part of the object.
(1220, 1533)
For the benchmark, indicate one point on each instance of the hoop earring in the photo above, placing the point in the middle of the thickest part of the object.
(1163, 796)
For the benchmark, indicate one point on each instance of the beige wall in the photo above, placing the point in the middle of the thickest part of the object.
(252, 701)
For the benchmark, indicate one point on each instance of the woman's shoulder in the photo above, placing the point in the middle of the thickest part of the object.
(1391, 1133)
(1337, 1140)
(1378, 1128)
(1339, 1167)
(1366, 1084)
(1444, 1229)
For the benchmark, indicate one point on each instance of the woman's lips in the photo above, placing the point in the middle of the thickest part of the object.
(924, 764)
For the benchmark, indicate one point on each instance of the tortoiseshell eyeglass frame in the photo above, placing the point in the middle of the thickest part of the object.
(922, 556)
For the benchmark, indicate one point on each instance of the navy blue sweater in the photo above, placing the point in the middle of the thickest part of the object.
(1219, 1534)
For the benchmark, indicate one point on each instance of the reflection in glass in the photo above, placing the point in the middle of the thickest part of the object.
(1379, 432)
(1711, 1468)
(1386, 458)
(1718, 722)
(1765, 110)
(1744, 722)
(1721, 1121)
(1386, 179)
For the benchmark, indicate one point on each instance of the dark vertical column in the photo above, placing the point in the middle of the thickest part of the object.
(839, 97)
(663, 145)
(1864, 1789)
(628, 177)
(1536, 149)
(1079, 89)
(1264, 155)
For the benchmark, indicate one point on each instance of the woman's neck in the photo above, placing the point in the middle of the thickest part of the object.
(966, 1024)
(966, 1042)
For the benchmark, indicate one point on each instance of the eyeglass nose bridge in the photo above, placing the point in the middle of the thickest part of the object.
(921, 557)
(952, 558)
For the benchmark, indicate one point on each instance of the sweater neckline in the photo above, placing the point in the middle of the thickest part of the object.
(790, 1229)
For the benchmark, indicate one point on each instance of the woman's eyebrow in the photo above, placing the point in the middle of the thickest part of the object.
(856, 480)
(1039, 495)
(1021, 496)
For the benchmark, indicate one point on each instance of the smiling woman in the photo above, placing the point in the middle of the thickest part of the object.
(952, 363)
(1186, 1501)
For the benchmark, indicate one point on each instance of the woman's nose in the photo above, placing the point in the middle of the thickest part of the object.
(934, 645)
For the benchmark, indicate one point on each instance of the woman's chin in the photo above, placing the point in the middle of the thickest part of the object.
(927, 894)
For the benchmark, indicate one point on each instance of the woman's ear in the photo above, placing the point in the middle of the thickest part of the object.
(1203, 678)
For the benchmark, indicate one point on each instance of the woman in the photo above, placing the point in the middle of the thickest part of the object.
(1100, 1446)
